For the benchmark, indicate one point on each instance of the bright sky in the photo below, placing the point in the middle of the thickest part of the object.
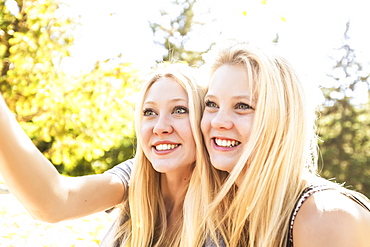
(308, 30)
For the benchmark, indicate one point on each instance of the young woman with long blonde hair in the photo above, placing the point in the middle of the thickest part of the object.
(169, 146)
(263, 189)
(153, 213)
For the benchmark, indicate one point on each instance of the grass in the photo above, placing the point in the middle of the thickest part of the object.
(18, 228)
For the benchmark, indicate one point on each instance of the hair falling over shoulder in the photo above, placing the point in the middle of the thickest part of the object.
(143, 220)
(280, 150)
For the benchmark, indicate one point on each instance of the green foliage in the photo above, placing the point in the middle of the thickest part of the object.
(173, 33)
(88, 118)
(344, 126)
(77, 122)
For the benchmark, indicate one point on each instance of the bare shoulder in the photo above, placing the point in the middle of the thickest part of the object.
(328, 218)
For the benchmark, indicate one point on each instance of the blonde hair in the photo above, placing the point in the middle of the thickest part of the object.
(280, 150)
(143, 219)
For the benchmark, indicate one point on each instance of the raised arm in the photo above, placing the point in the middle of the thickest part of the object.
(46, 194)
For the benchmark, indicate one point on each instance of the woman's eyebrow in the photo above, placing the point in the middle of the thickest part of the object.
(153, 102)
(242, 96)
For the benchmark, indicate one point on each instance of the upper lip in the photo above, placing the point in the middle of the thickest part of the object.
(165, 142)
(224, 138)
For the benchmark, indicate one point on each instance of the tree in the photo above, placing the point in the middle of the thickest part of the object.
(83, 123)
(174, 32)
(344, 125)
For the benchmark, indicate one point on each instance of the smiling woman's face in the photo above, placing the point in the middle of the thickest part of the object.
(165, 129)
(228, 117)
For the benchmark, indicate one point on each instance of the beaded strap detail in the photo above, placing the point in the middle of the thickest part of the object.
(306, 193)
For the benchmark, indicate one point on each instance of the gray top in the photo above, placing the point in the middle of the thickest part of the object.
(123, 171)
(210, 243)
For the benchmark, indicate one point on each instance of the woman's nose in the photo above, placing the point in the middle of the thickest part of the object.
(162, 126)
(222, 120)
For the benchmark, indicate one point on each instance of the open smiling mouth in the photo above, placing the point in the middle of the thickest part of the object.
(226, 143)
(163, 147)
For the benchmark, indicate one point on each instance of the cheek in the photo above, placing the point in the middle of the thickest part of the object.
(145, 132)
(188, 138)
(245, 128)
(187, 133)
(204, 124)
(192, 145)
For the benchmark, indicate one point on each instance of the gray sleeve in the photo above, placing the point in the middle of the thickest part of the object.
(123, 171)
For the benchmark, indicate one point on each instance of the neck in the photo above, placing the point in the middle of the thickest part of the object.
(173, 188)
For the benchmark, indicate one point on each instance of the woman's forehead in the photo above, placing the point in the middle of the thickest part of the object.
(165, 89)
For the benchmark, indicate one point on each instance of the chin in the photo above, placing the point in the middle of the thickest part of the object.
(222, 165)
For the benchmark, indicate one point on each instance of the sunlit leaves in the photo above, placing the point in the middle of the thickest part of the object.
(75, 121)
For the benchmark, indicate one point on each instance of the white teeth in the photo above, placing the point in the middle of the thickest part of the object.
(162, 147)
(226, 143)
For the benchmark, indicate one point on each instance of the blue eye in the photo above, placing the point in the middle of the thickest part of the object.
(148, 112)
(180, 110)
(210, 104)
(243, 106)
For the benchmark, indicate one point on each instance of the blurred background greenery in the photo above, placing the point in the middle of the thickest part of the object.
(83, 122)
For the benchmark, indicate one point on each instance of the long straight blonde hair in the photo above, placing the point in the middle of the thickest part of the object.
(279, 151)
(143, 220)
